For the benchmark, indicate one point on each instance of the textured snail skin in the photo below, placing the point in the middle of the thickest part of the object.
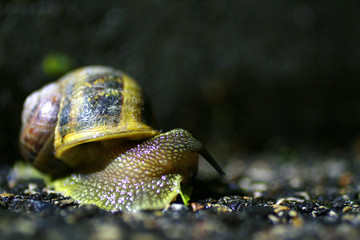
(145, 175)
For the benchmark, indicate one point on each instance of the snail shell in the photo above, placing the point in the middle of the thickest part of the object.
(92, 104)
(93, 132)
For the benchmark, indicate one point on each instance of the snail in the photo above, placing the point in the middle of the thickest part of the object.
(93, 133)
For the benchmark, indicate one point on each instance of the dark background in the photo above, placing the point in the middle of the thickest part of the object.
(242, 76)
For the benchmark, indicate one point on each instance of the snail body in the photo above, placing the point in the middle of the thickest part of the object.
(93, 133)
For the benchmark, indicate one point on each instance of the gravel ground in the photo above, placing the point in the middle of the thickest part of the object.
(262, 197)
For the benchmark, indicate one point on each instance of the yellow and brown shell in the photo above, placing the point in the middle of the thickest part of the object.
(89, 104)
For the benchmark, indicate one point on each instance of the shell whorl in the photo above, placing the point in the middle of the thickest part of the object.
(39, 118)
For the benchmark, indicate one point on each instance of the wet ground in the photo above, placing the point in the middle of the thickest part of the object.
(262, 197)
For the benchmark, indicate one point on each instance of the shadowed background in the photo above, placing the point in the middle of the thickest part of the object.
(246, 76)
